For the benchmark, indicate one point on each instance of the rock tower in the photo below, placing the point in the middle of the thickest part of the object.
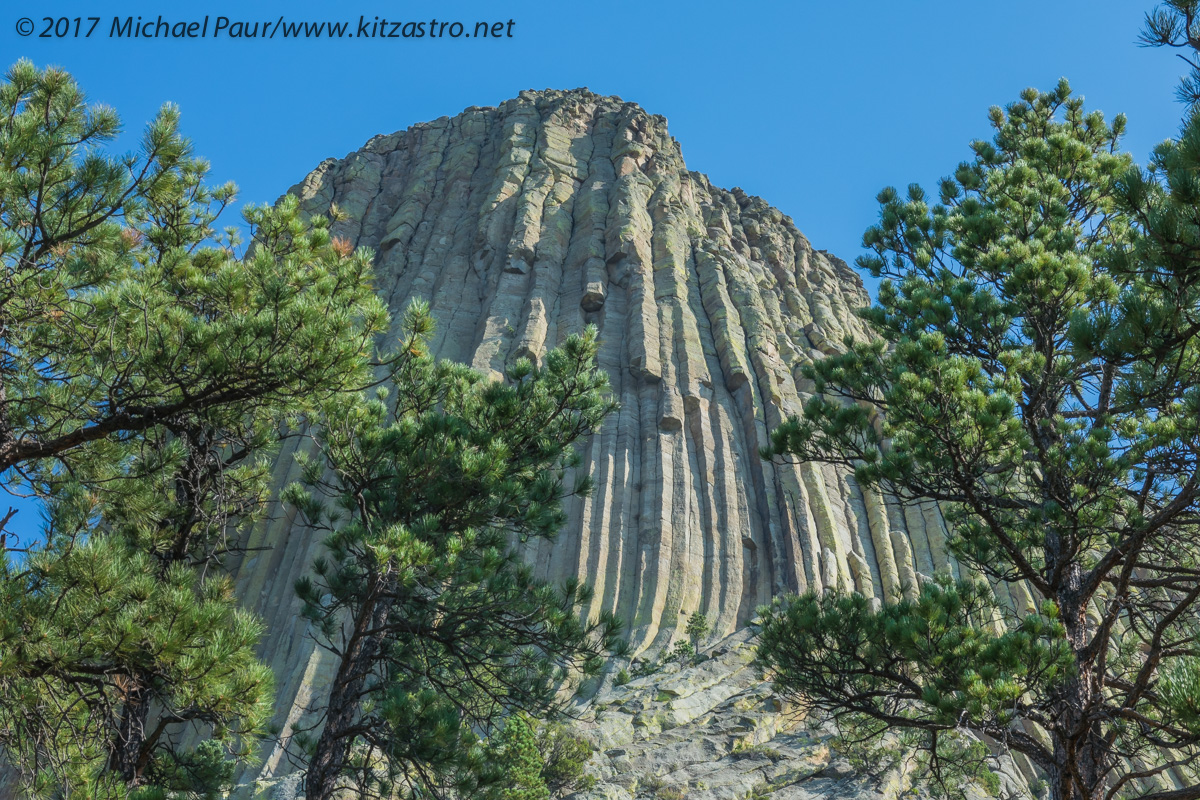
(523, 223)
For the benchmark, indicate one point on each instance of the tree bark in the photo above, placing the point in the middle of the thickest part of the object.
(1082, 756)
(341, 713)
(127, 759)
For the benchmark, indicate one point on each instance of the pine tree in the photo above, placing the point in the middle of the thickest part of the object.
(1038, 368)
(148, 364)
(1176, 24)
(565, 754)
(437, 626)
(520, 762)
(697, 628)
(683, 652)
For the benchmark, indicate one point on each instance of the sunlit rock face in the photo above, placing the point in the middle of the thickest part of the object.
(520, 225)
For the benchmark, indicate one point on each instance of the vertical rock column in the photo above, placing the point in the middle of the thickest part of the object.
(523, 223)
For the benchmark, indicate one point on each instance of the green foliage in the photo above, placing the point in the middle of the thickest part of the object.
(743, 749)
(424, 496)
(623, 677)
(149, 363)
(760, 791)
(651, 783)
(202, 774)
(189, 635)
(1174, 24)
(697, 628)
(520, 762)
(945, 761)
(940, 647)
(123, 306)
(1180, 688)
(1038, 364)
(645, 667)
(683, 652)
(564, 757)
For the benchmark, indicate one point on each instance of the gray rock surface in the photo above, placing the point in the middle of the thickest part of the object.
(522, 223)
(713, 730)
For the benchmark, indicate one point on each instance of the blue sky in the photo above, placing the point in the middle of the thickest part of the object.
(814, 106)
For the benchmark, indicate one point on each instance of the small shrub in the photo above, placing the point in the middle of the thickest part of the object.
(761, 791)
(697, 628)
(564, 756)
(743, 749)
(684, 653)
(517, 755)
(652, 784)
(645, 668)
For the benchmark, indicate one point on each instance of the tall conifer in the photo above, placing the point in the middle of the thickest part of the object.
(1038, 369)
(438, 627)
(148, 364)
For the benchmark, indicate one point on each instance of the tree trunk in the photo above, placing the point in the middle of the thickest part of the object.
(127, 758)
(1081, 755)
(333, 746)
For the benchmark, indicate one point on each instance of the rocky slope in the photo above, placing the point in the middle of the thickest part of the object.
(523, 223)
(715, 731)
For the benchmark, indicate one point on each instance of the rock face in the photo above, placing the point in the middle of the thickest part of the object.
(523, 223)
(714, 731)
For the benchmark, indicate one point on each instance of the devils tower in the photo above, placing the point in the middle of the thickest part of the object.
(523, 223)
